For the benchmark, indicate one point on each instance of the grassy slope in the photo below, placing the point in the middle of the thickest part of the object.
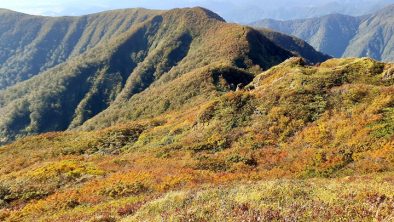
(366, 198)
(343, 36)
(334, 120)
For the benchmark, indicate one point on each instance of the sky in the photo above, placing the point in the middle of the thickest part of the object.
(75, 7)
(233, 10)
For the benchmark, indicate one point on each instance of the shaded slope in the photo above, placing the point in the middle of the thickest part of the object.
(375, 37)
(191, 89)
(344, 36)
(295, 45)
(150, 54)
(330, 34)
(33, 44)
(293, 121)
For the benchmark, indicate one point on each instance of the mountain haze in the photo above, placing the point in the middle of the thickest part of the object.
(344, 36)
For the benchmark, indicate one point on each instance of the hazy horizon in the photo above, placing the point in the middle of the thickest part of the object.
(232, 10)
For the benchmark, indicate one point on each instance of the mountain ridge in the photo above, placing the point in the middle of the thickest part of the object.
(157, 50)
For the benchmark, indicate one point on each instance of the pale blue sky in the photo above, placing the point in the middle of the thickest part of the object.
(233, 10)
(62, 7)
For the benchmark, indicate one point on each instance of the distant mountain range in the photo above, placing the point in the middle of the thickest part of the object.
(57, 73)
(300, 9)
(344, 36)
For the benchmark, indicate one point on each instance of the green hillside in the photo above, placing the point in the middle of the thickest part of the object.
(161, 64)
(343, 36)
(298, 142)
(30, 44)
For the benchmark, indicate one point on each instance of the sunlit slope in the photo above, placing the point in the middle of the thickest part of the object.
(291, 122)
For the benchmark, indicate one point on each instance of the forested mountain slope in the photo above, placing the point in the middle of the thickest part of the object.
(344, 36)
(164, 63)
(33, 44)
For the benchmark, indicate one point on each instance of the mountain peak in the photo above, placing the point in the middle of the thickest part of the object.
(197, 11)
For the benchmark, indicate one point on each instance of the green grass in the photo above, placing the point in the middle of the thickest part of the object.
(368, 198)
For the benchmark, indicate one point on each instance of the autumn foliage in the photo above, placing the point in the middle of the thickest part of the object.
(298, 143)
